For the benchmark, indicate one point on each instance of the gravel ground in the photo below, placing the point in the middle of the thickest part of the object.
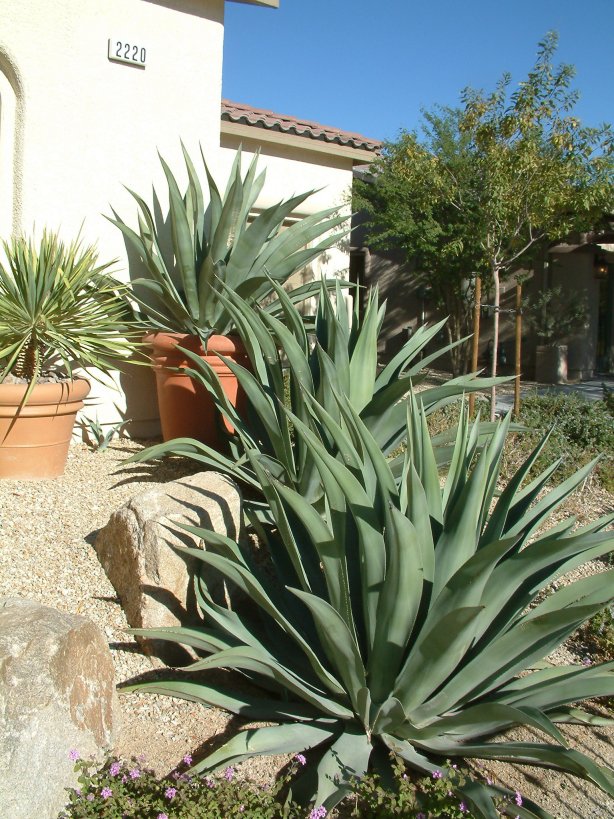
(47, 530)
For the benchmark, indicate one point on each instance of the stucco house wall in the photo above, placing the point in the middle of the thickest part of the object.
(76, 126)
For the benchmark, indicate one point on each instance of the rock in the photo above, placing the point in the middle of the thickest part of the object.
(57, 693)
(153, 581)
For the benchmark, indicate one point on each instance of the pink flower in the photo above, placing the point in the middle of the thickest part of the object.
(135, 773)
(318, 813)
(106, 792)
(115, 768)
(462, 807)
(437, 774)
(170, 793)
(188, 759)
(209, 782)
(518, 798)
(162, 816)
(90, 797)
(73, 754)
(229, 773)
(300, 759)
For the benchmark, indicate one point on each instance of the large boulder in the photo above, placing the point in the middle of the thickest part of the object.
(154, 582)
(57, 693)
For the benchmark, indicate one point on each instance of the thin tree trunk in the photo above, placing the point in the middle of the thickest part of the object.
(475, 344)
(495, 340)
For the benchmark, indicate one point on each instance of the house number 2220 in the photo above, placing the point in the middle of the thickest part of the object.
(123, 52)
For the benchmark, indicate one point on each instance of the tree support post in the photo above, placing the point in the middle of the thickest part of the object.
(518, 350)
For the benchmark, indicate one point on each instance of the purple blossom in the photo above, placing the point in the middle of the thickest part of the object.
(170, 793)
(90, 797)
(488, 780)
(241, 808)
(73, 754)
(124, 779)
(229, 773)
(300, 758)
(518, 798)
(188, 759)
(210, 783)
(78, 791)
(462, 807)
(135, 773)
(115, 768)
(162, 816)
(106, 792)
(437, 774)
(318, 813)
(421, 815)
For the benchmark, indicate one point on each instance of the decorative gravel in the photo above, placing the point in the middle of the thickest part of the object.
(47, 531)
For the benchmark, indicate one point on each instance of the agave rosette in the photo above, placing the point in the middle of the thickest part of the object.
(402, 616)
(220, 239)
(290, 363)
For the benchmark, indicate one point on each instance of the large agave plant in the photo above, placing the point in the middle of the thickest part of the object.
(215, 240)
(289, 364)
(404, 616)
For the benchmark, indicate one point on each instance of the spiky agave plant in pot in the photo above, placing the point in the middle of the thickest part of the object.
(214, 241)
(405, 617)
(59, 310)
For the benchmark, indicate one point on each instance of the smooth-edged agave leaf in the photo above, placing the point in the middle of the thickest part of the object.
(277, 739)
(220, 241)
(393, 611)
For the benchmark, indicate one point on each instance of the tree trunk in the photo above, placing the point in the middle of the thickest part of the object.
(475, 344)
(495, 340)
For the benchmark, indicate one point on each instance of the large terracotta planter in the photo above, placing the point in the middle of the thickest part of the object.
(551, 364)
(34, 438)
(186, 408)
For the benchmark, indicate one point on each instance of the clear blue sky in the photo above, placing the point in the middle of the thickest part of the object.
(337, 62)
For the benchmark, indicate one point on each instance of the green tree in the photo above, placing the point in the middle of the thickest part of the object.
(531, 173)
(420, 196)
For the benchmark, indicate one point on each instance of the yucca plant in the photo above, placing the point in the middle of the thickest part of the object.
(218, 239)
(402, 616)
(60, 307)
(289, 363)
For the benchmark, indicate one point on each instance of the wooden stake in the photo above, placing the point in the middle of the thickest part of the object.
(475, 344)
(518, 349)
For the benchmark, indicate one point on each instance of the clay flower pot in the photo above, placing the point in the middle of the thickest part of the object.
(186, 408)
(34, 438)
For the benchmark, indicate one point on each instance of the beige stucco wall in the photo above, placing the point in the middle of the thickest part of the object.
(87, 125)
(76, 127)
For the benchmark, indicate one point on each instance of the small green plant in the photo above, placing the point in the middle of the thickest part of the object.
(97, 437)
(60, 308)
(580, 431)
(554, 315)
(129, 790)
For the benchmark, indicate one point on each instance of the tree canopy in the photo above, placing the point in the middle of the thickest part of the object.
(482, 186)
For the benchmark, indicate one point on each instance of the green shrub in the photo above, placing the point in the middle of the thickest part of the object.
(128, 790)
(587, 425)
(403, 616)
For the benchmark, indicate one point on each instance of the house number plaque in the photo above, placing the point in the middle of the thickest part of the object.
(121, 51)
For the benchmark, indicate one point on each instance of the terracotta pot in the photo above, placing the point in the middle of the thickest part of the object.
(186, 408)
(34, 438)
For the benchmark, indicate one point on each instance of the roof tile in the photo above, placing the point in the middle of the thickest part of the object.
(260, 117)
